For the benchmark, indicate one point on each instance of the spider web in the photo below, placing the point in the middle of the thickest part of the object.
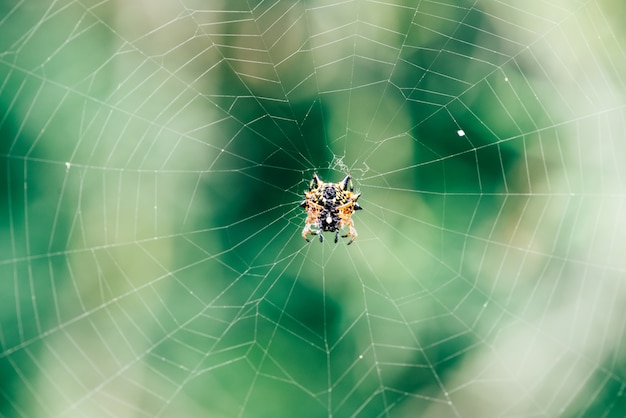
(154, 156)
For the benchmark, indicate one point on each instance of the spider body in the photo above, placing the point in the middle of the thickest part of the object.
(329, 208)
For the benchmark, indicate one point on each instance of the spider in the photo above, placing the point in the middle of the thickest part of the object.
(329, 207)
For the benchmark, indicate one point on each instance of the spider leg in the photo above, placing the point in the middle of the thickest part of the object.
(336, 236)
(307, 231)
(351, 232)
(321, 238)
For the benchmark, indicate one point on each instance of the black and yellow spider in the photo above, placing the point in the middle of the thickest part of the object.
(329, 207)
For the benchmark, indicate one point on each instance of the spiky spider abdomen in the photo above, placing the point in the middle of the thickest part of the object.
(329, 208)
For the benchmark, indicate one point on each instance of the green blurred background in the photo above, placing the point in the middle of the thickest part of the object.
(153, 156)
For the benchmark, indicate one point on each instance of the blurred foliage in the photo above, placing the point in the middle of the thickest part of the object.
(153, 158)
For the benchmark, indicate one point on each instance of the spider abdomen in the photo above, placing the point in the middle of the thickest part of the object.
(328, 220)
